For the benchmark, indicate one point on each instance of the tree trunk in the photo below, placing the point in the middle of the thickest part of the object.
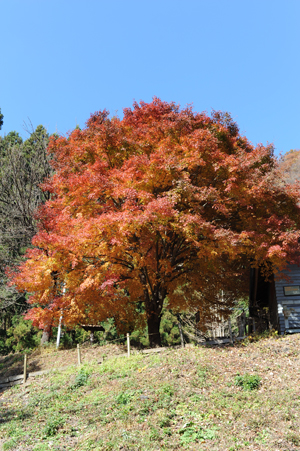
(92, 337)
(154, 300)
(180, 331)
(153, 321)
(46, 335)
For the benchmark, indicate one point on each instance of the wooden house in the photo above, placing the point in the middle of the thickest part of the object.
(276, 303)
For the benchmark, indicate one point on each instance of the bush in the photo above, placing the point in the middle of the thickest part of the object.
(22, 335)
(169, 330)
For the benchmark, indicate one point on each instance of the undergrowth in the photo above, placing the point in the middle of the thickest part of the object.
(187, 399)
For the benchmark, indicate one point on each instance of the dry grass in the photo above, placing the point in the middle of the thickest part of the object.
(49, 358)
(178, 399)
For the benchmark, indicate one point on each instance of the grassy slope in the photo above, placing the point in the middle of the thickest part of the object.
(178, 399)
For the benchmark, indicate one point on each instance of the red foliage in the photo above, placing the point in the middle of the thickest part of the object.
(163, 203)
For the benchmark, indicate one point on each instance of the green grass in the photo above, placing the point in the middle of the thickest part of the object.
(183, 399)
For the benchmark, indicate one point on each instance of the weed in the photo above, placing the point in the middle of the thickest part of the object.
(154, 434)
(202, 374)
(52, 426)
(196, 398)
(124, 398)
(118, 375)
(125, 435)
(165, 421)
(168, 390)
(9, 445)
(247, 381)
(81, 379)
(41, 447)
(262, 437)
(144, 411)
(191, 433)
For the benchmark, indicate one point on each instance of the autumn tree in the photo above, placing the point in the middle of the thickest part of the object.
(162, 205)
(290, 166)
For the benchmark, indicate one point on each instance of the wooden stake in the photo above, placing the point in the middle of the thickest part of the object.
(78, 354)
(230, 330)
(25, 368)
(128, 346)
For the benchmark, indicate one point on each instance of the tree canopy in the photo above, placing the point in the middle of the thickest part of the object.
(163, 205)
(24, 165)
(290, 166)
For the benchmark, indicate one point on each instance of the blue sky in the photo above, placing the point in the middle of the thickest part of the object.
(62, 60)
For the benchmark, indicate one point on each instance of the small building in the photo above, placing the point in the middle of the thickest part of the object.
(276, 303)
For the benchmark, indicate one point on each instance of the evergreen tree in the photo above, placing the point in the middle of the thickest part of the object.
(24, 166)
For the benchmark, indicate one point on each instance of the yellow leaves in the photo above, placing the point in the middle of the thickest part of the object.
(44, 299)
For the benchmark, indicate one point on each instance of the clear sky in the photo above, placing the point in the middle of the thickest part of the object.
(62, 60)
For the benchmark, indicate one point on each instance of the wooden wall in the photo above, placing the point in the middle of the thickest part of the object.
(288, 306)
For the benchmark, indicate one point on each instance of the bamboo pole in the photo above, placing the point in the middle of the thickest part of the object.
(59, 331)
(78, 354)
(60, 319)
(25, 368)
(128, 345)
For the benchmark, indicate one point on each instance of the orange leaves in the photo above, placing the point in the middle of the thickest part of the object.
(162, 202)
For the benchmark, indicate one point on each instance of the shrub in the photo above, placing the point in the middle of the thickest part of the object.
(52, 426)
(22, 335)
(81, 379)
(248, 381)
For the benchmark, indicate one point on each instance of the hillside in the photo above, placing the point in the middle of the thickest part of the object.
(193, 398)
